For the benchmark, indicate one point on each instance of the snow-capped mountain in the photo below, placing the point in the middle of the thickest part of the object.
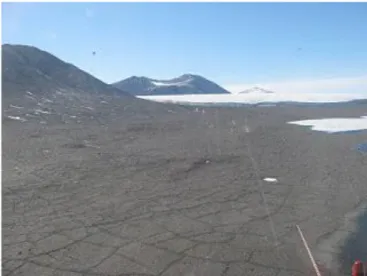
(183, 85)
(256, 90)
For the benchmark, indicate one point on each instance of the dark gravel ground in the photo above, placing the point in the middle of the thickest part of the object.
(101, 189)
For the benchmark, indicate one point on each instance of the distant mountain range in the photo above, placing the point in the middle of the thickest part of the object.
(39, 88)
(185, 84)
(256, 90)
(27, 68)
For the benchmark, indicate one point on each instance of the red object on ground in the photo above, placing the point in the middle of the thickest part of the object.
(357, 269)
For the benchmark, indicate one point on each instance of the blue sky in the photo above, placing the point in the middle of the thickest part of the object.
(234, 44)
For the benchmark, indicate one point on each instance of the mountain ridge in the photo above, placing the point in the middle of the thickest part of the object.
(41, 88)
(181, 85)
(26, 67)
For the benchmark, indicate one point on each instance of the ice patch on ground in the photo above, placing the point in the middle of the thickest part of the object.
(30, 97)
(255, 98)
(17, 118)
(47, 100)
(332, 125)
(88, 144)
(37, 111)
(88, 107)
(17, 107)
(270, 179)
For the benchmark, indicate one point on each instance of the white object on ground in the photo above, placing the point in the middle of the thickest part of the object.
(270, 179)
(332, 125)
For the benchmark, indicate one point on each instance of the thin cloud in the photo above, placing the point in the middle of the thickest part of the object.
(356, 84)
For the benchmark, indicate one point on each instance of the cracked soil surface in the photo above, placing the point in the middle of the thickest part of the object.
(180, 193)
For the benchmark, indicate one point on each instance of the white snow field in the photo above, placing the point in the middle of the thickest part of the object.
(333, 125)
(254, 98)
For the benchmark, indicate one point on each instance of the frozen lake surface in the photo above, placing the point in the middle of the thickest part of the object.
(335, 125)
(256, 98)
